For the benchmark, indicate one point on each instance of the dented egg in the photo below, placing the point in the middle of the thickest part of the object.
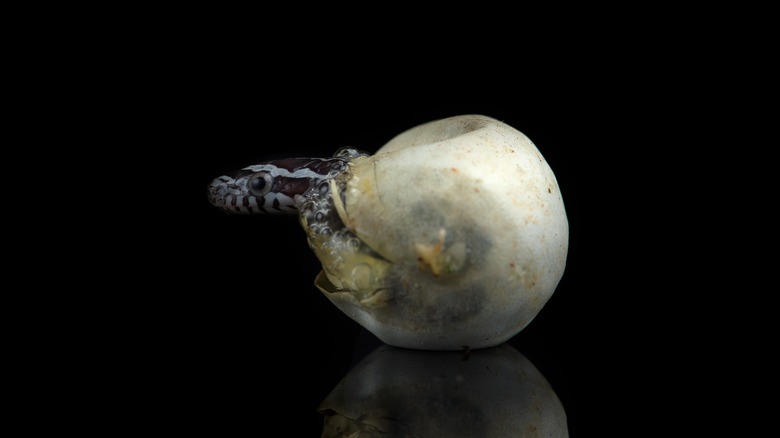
(452, 234)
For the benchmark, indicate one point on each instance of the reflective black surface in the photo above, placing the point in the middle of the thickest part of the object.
(211, 323)
(250, 328)
(397, 392)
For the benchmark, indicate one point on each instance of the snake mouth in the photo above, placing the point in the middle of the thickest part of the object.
(228, 195)
(232, 195)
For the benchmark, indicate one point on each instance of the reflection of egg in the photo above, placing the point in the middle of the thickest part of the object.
(492, 392)
(456, 235)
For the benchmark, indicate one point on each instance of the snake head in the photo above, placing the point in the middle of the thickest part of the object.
(273, 187)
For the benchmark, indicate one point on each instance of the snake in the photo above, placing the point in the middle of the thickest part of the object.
(285, 186)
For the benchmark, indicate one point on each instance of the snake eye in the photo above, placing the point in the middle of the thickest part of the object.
(260, 183)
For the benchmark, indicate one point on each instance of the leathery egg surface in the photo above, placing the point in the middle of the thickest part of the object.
(455, 236)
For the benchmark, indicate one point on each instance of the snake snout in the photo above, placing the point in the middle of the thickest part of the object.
(218, 189)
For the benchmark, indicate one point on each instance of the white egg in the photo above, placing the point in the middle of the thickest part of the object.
(455, 234)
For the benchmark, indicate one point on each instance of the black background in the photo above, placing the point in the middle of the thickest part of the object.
(247, 339)
(208, 322)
